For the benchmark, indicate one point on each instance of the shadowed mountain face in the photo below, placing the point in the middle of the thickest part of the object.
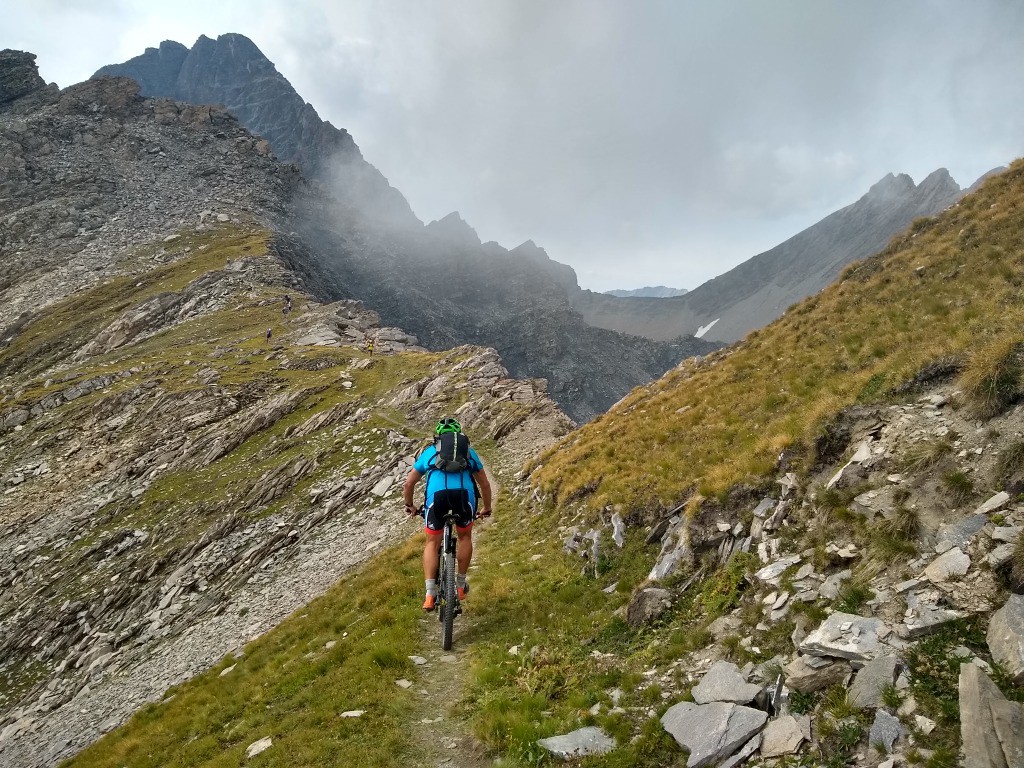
(447, 288)
(362, 241)
(762, 288)
(232, 71)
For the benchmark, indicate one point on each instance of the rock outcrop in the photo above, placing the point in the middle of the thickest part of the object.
(18, 75)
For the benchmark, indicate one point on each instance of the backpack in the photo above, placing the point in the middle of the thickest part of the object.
(452, 452)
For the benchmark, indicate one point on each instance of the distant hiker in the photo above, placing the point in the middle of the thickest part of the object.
(270, 333)
(453, 471)
(369, 346)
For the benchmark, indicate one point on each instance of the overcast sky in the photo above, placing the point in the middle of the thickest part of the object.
(643, 142)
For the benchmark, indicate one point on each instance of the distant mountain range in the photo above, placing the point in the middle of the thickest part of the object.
(650, 292)
(760, 289)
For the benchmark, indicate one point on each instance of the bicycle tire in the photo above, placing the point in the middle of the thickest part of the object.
(448, 602)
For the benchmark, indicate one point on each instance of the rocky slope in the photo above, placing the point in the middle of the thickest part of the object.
(855, 613)
(172, 491)
(835, 509)
(356, 243)
(762, 288)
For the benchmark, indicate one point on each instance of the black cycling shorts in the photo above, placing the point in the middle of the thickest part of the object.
(455, 499)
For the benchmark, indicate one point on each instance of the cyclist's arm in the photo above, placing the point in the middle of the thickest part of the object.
(410, 484)
(485, 490)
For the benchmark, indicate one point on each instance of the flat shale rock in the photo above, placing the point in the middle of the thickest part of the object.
(579, 743)
(723, 682)
(846, 636)
(871, 681)
(711, 732)
(1006, 637)
(781, 737)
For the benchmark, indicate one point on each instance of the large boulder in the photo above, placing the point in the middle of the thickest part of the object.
(991, 728)
(870, 683)
(711, 732)
(808, 674)
(723, 682)
(1006, 637)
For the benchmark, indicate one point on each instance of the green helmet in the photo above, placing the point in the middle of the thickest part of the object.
(447, 425)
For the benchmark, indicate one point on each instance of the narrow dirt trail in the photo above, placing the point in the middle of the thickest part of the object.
(442, 731)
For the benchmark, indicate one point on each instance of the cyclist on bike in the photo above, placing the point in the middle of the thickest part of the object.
(448, 491)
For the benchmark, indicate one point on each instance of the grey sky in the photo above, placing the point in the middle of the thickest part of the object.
(641, 142)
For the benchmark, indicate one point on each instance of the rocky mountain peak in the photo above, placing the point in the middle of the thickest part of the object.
(455, 229)
(890, 186)
(19, 75)
(562, 274)
(232, 71)
(939, 181)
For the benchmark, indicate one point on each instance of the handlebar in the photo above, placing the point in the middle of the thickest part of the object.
(418, 512)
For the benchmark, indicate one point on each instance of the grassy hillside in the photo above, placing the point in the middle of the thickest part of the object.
(949, 287)
(346, 651)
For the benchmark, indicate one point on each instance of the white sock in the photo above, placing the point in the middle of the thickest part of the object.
(432, 587)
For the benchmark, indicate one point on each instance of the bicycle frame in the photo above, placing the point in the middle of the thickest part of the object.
(447, 565)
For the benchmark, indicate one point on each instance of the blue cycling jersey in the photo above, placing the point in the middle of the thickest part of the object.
(439, 481)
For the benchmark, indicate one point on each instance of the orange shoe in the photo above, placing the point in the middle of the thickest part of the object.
(428, 603)
(463, 591)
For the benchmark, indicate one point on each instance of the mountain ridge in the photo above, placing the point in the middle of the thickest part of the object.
(232, 71)
(760, 289)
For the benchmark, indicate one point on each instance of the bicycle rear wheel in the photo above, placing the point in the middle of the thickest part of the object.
(448, 599)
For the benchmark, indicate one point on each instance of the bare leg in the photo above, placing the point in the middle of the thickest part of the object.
(465, 553)
(432, 556)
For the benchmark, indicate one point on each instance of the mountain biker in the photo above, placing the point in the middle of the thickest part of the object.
(447, 491)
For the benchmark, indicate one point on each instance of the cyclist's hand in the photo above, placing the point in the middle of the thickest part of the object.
(484, 513)
(411, 511)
